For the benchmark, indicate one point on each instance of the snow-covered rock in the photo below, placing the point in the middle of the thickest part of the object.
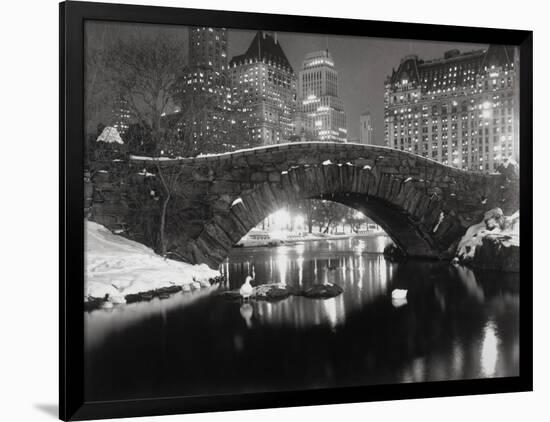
(110, 135)
(116, 266)
(492, 243)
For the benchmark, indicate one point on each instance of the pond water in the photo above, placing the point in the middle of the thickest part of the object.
(454, 324)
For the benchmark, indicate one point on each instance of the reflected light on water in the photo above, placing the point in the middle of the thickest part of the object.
(300, 263)
(361, 270)
(382, 273)
(334, 317)
(282, 264)
(301, 312)
(226, 272)
(489, 349)
(468, 278)
(458, 360)
(419, 369)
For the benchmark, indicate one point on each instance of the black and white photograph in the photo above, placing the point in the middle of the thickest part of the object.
(274, 211)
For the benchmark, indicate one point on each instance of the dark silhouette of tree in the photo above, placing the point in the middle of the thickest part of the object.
(145, 70)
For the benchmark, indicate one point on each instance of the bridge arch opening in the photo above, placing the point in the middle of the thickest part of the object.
(310, 219)
(405, 211)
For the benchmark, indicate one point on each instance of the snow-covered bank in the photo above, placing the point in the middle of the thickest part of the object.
(492, 244)
(117, 267)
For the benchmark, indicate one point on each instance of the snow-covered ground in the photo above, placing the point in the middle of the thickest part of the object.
(118, 267)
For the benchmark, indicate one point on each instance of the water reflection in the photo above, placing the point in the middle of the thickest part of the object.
(456, 324)
(398, 302)
(102, 323)
(246, 312)
(489, 350)
(468, 279)
(363, 278)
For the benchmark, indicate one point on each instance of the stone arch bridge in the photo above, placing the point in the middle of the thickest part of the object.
(423, 205)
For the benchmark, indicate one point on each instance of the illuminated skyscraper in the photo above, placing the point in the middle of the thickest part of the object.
(208, 48)
(461, 110)
(206, 82)
(366, 129)
(318, 99)
(264, 90)
(121, 115)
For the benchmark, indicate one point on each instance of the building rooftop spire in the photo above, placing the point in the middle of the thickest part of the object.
(264, 47)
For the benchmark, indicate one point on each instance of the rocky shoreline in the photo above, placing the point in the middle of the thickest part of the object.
(93, 303)
(492, 244)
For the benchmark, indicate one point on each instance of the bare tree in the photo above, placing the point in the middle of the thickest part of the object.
(148, 72)
(329, 214)
(355, 219)
(145, 71)
(309, 208)
(169, 178)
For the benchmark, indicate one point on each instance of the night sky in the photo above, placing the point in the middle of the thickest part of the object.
(362, 63)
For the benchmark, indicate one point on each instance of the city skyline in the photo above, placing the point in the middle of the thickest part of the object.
(361, 79)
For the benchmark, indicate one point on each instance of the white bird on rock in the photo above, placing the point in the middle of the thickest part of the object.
(246, 289)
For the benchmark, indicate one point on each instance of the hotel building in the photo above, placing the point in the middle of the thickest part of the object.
(264, 90)
(461, 110)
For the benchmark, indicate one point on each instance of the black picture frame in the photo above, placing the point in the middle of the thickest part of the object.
(72, 17)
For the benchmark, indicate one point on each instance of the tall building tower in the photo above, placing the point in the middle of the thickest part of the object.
(318, 98)
(461, 110)
(367, 129)
(205, 82)
(208, 48)
(121, 115)
(264, 86)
